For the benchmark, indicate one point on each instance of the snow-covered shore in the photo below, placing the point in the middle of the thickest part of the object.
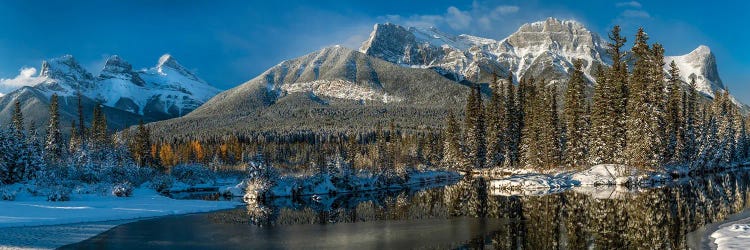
(523, 181)
(93, 214)
(732, 236)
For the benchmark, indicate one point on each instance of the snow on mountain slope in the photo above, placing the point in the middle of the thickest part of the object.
(701, 65)
(168, 88)
(546, 49)
(164, 91)
(341, 89)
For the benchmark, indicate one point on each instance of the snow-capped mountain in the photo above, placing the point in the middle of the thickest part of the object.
(546, 49)
(701, 65)
(167, 89)
(164, 91)
(333, 88)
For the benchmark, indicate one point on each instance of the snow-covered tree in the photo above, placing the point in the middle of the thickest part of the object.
(675, 132)
(496, 128)
(576, 118)
(53, 145)
(475, 130)
(452, 151)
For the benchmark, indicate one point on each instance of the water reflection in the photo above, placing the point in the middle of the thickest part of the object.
(465, 214)
(599, 217)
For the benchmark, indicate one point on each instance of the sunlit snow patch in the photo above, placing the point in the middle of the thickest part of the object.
(341, 89)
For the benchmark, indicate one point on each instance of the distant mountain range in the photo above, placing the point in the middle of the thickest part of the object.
(406, 75)
(412, 76)
(164, 91)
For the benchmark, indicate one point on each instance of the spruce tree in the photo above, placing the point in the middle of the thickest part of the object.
(617, 79)
(690, 122)
(53, 145)
(674, 128)
(535, 124)
(550, 133)
(496, 125)
(452, 152)
(76, 142)
(513, 129)
(82, 126)
(603, 117)
(142, 145)
(641, 138)
(475, 129)
(17, 119)
(657, 102)
(576, 120)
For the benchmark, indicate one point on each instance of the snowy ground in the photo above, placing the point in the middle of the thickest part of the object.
(734, 236)
(16, 217)
(529, 182)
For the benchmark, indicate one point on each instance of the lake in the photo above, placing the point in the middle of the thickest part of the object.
(463, 214)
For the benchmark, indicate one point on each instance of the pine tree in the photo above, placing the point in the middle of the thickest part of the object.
(76, 142)
(658, 102)
(452, 152)
(496, 126)
(475, 129)
(513, 129)
(674, 128)
(53, 145)
(82, 126)
(141, 148)
(98, 129)
(641, 138)
(723, 111)
(603, 117)
(34, 155)
(617, 79)
(576, 120)
(528, 156)
(17, 119)
(551, 134)
(690, 120)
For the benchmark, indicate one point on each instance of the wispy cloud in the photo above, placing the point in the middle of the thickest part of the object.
(26, 77)
(478, 16)
(636, 14)
(631, 4)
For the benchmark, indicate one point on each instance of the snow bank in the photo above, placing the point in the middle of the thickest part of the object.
(35, 211)
(736, 236)
(526, 181)
(326, 184)
(612, 174)
(532, 181)
(606, 174)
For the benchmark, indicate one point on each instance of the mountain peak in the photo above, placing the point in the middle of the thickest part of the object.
(168, 60)
(702, 50)
(65, 69)
(53, 66)
(116, 64)
(116, 67)
(551, 25)
(699, 64)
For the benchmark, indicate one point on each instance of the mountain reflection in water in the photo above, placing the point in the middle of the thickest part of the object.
(463, 214)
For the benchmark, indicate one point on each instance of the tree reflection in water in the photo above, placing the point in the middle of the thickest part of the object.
(583, 217)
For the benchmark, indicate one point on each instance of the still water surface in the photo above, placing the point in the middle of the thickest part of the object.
(464, 214)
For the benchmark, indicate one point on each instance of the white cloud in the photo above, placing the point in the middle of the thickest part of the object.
(458, 19)
(478, 16)
(504, 10)
(632, 4)
(25, 77)
(635, 14)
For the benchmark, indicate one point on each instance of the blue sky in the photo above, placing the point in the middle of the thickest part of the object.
(230, 42)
